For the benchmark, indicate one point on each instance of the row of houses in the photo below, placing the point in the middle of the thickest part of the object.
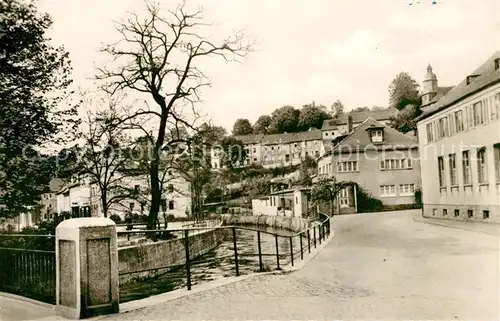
(454, 160)
(291, 148)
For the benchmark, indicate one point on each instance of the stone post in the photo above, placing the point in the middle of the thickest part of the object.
(87, 281)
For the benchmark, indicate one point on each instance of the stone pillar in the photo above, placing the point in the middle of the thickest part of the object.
(87, 281)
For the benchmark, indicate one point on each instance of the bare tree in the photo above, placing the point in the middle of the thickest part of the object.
(105, 158)
(160, 56)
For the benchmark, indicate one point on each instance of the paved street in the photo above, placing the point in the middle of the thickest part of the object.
(378, 266)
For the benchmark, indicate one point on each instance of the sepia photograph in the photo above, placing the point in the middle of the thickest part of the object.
(249, 160)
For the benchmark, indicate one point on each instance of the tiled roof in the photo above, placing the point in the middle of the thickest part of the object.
(250, 139)
(313, 134)
(359, 139)
(487, 77)
(359, 117)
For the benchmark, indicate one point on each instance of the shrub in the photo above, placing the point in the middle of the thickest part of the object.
(366, 203)
(116, 218)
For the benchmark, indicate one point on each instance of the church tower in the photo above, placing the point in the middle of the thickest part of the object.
(430, 86)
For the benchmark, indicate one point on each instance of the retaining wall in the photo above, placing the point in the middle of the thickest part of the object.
(154, 256)
(295, 224)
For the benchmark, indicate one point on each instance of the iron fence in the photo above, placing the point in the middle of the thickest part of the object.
(28, 266)
(208, 253)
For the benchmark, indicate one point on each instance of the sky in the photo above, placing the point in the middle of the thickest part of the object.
(315, 50)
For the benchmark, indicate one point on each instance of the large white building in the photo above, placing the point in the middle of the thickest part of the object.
(459, 138)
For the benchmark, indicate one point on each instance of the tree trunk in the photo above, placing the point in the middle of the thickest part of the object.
(155, 195)
(104, 200)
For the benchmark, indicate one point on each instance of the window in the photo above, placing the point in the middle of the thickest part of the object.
(459, 121)
(457, 213)
(451, 124)
(406, 189)
(430, 132)
(466, 168)
(496, 151)
(170, 188)
(296, 200)
(215, 165)
(136, 188)
(316, 153)
(434, 211)
(478, 113)
(287, 157)
(485, 110)
(486, 214)
(388, 164)
(254, 150)
(453, 170)
(387, 190)
(171, 205)
(442, 179)
(445, 212)
(376, 136)
(495, 107)
(481, 166)
(443, 127)
(350, 166)
(470, 213)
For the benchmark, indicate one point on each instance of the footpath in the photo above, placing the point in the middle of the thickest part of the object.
(471, 226)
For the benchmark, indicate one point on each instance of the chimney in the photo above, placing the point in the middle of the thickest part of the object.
(497, 64)
(349, 124)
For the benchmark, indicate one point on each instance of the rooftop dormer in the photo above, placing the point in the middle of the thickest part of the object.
(470, 79)
(376, 134)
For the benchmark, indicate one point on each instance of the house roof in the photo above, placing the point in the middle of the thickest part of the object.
(487, 77)
(312, 134)
(359, 139)
(359, 117)
(250, 139)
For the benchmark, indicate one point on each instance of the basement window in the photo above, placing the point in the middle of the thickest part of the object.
(470, 213)
(445, 212)
(457, 213)
(486, 214)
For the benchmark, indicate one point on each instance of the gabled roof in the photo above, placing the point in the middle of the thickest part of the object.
(250, 139)
(285, 138)
(359, 139)
(487, 76)
(360, 116)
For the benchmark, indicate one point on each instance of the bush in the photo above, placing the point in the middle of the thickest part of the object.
(366, 203)
(418, 198)
(116, 218)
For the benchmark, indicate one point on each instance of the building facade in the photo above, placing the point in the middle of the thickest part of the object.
(381, 160)
(459, 138)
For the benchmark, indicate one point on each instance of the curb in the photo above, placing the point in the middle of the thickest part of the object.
(419, 220)
(27, 300)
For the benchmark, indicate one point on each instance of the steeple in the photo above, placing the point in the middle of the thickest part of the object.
(430, 86)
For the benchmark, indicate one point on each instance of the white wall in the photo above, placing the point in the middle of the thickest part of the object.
(476, 197)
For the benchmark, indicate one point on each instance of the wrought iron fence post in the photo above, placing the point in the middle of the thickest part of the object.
(188, 267)
(301, 247)
(260, 251)
(320, 235)
(277, 251)
(309, 240)
(235, 253)
(291, 250)
(314, 232)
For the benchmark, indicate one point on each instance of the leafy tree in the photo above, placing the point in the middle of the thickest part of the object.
(34, 78)
(405, 120)
(161, 58)
(312, 117)
(284, 119)
(360, 109)
(326, 190)
(210, 134)
(262, 124)
(233, 152)
(242, 127)
(257, 186)
(403, 91)
(337, 109)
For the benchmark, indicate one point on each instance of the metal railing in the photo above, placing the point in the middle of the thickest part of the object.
(243, 250)
(28, 266)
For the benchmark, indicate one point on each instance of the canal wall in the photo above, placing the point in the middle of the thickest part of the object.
(295, 224)
(143, 261)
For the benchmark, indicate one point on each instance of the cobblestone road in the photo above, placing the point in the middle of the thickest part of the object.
(378, 266)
